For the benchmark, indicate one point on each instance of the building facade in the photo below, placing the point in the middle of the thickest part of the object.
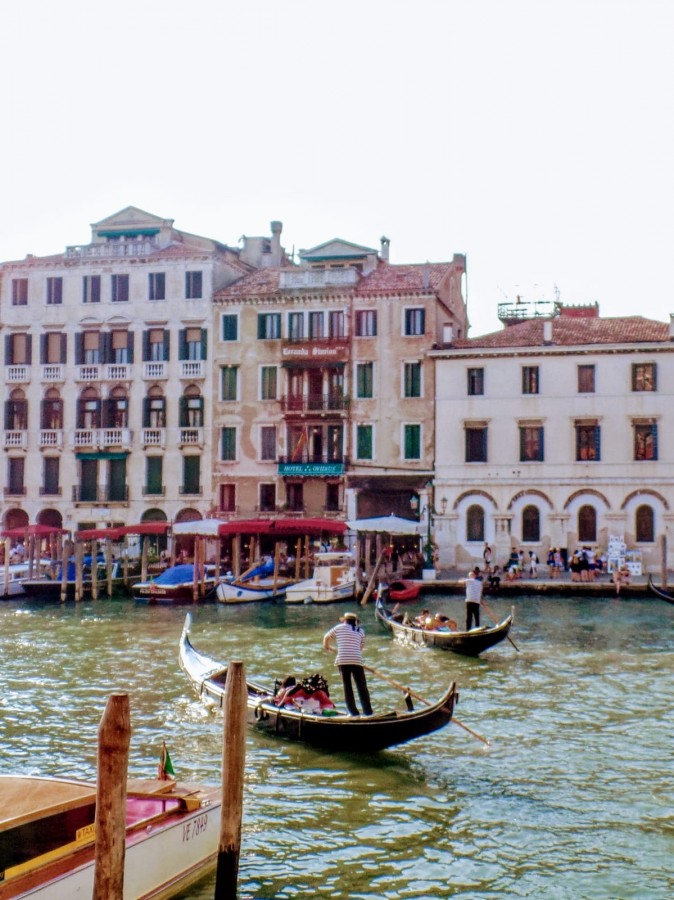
(107, 373)
(556, 433)
(324, 394)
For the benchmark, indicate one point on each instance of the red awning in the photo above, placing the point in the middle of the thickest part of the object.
(116, 534)
(283, 526)
(32, 531)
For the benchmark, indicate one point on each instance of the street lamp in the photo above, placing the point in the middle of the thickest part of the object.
(430, 512)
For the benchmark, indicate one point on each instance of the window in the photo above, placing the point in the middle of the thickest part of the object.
(644, 377)
(415, 321)
(586, 380)
(334, 448)
(50, 475)
(51, 416)
(646, 442)
(475, 523)
(645, 525)
(412, 379)
(88, 347)
(412, 441)
(121, 344)
(295, 326)
(268, 443)
(365, 380)
(16, 466)
(191, 475)
(531, 443)
(120, 288)
(475, 382)
(295, 495)
(193, 285)
(332, 497)
(336, 324)
(116, 410)
(89, 410)
(88, 486)
(316, 325)
(588, 446)
(192, 344)
(269, 326)
(156, 287)
(18, 349)
(228, 497)
(530, 381)
(228, 444)
(91, 289)
(267, 497)
(230, 327)
(154, 410)
(531, 524)
(476, 443)
(53, 348)
(54, 291)
(191, 409)
(16, 412)
(229, 382)
(154, 475)
(155, 345)
(587, 524)
(19, 291)
(364, 441)
(268, 383)
(366, 323)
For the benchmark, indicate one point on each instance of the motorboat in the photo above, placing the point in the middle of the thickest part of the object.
(334, 578)
(176, 585)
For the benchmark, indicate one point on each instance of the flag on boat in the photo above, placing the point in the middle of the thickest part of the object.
(165, 770)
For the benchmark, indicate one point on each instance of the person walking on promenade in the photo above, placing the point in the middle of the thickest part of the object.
(473, 598)
(350, 639)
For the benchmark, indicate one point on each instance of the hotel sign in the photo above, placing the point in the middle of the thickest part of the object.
(315, 352)
(311, 469)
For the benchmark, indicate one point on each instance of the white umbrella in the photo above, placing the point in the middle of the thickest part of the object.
(199, 527)
(386, 525)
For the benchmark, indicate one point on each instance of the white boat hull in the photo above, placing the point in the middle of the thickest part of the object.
(312, 591)
(230, 592)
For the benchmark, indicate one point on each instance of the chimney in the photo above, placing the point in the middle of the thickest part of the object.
(671, 326)
(384, 241)
(547, 331)
(447, 334)
(276, 229)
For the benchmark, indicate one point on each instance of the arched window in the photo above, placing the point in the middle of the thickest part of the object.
(587, 524)
(531, 524)
(52, 411)
(89, 409)
(475, 523)
(645, 525)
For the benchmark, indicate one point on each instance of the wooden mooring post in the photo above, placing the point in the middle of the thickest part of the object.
(233, 763)
(114, 737)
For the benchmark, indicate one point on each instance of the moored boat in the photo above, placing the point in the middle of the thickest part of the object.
(47, 837)
(176, 585)
(46, 588)
(663, 595)
(338, 732)
(467, 643)
(334, 578)
(13, 577)
(259, 583)
(399, 591)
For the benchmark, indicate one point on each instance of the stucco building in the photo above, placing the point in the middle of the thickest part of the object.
(556, 432)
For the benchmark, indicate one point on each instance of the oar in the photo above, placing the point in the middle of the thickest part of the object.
(366, 595)
(496, 621)
(416, 696)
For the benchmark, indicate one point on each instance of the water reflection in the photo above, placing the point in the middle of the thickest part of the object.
(573, 799)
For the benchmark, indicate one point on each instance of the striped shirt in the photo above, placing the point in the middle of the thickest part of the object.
(350, 643)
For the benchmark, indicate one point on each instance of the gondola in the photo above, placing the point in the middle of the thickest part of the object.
(659, 592)
(341, 732)
(467, 643)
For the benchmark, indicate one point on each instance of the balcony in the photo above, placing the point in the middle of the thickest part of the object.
(191, 437)
(191, 489)
(315, 352)
(105, 495)
(51, 438)
(15, 490)
(125, 249)
(89, 373)
(153, 437)
(321, 404)
(317, 278)
(312, 465)
(155, 371)
(17, 374)
(85, 437)
(118, 372)
(53, 372)
(50, 491)
(154, 491)
(192, 368)
(102, 437)
(16, 440)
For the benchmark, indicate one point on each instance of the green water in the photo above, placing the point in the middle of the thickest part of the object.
(574, 798)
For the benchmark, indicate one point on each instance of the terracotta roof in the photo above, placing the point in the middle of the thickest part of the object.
(571, 332)
(386, 279)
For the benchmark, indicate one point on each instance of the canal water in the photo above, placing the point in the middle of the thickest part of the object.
(573, 799)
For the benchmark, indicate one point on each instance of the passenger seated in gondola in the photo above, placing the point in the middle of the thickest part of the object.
(441, 622)
(311, 695)
(423, 619)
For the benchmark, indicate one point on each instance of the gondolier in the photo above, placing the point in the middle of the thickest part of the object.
(350, 639)
(473, 598)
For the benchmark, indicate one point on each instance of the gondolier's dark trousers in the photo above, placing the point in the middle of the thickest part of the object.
(472, 612)
(357, 673)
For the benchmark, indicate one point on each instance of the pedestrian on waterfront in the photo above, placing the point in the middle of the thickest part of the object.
(533, 564)
(350, 639)
(486, 556)
(473, 598)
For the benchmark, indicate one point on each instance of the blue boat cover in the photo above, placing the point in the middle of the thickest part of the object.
(176, 575)
(266, 568)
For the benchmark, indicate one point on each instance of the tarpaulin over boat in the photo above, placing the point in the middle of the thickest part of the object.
(182, 574)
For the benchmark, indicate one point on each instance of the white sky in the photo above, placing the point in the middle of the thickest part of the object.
(536, 136)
